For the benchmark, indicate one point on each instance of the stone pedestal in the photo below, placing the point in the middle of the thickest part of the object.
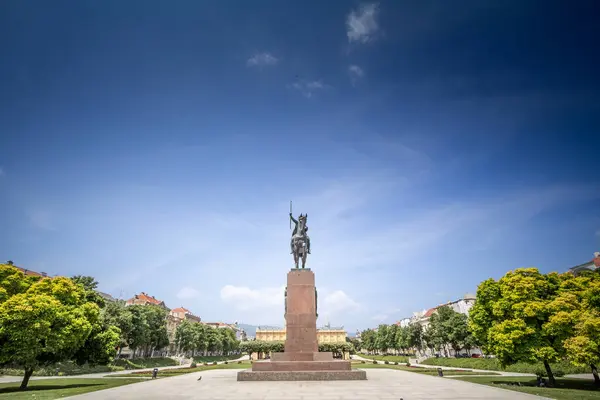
(301, 359)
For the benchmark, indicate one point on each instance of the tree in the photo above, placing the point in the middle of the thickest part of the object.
(139, 335)
(89, 285)
(115, 313)
(368, 338)
(45, 323)
(415, 336)
(201, 337)
(185, 337)
(510, 318)
(576, 320)
(383, 340)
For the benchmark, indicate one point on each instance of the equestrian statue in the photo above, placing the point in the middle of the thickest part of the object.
(300, 242)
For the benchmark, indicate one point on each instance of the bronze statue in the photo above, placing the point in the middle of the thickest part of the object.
(300, 242)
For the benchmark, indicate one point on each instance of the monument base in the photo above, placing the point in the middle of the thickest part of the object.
(350, 375)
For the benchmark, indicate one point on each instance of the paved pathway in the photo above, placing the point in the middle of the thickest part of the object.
(9, 378)
(381, 384)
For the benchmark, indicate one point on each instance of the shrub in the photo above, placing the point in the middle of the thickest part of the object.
(193, 365)
(492, 364)
(374, 361)
(226, 362)
(362, 361)
(214, 363)
(205, 363)
(239, 362)
(396, 363)
(386, 362)
(559, 373)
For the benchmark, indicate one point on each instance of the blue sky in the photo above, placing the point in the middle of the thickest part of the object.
(156, 146)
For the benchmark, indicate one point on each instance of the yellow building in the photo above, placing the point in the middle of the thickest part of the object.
(326, 334)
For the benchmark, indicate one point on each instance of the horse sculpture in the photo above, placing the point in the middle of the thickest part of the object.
(299, 242)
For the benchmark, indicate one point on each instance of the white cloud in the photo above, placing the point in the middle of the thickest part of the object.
(361, 25)
(339, 302)
(244, 298)
(187, 293)
(308, 88)
(355, 73)
(379, 317)
(262, 60)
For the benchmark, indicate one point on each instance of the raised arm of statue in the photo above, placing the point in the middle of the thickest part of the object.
(292, 217)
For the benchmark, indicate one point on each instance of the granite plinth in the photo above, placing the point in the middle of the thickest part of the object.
(315, 356)
(332, 365)
(351, 375)
(301, 360)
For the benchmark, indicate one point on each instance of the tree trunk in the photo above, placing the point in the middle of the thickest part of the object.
(551, 378)
(25, 382)
(595, 373)
(120, 350)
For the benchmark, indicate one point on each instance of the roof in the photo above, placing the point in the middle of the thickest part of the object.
(430, 312)
(30, 273)
(145, 297)
(181, 309)
(583, 266)
(106, 296)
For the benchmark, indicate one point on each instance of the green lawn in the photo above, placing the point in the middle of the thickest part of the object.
(47, 389)
(566, 389)
(188, 370)
(419, 370)
(203, 359)
(401, 359)
(492, 364)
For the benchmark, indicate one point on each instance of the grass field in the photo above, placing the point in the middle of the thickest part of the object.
(48, 389)
(400, 359)
(418, 370)
(180, 371)
(566, 389)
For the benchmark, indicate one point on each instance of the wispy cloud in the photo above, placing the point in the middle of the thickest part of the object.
(361, 24)
(186, 293)
(262, 60)
(308, 88)
(356, 73)
(41, 219)
(243, 298)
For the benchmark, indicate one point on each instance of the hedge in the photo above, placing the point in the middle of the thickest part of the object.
(492, 364)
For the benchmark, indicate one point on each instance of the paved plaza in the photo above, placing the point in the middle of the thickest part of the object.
(381, 384)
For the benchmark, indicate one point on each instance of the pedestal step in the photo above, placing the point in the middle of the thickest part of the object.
(351, 375)
(334, 365)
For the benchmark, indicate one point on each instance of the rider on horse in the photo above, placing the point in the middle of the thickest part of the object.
(294, 234)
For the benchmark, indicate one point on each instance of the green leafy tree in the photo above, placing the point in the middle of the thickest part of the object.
(383, 340)
(368, 338)
(115, 313)
(415, 337)
(45, 323)
(89, 285)
(201, 337)
(156, 317)
(185, 336)
(576, 319)
(511, 318)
